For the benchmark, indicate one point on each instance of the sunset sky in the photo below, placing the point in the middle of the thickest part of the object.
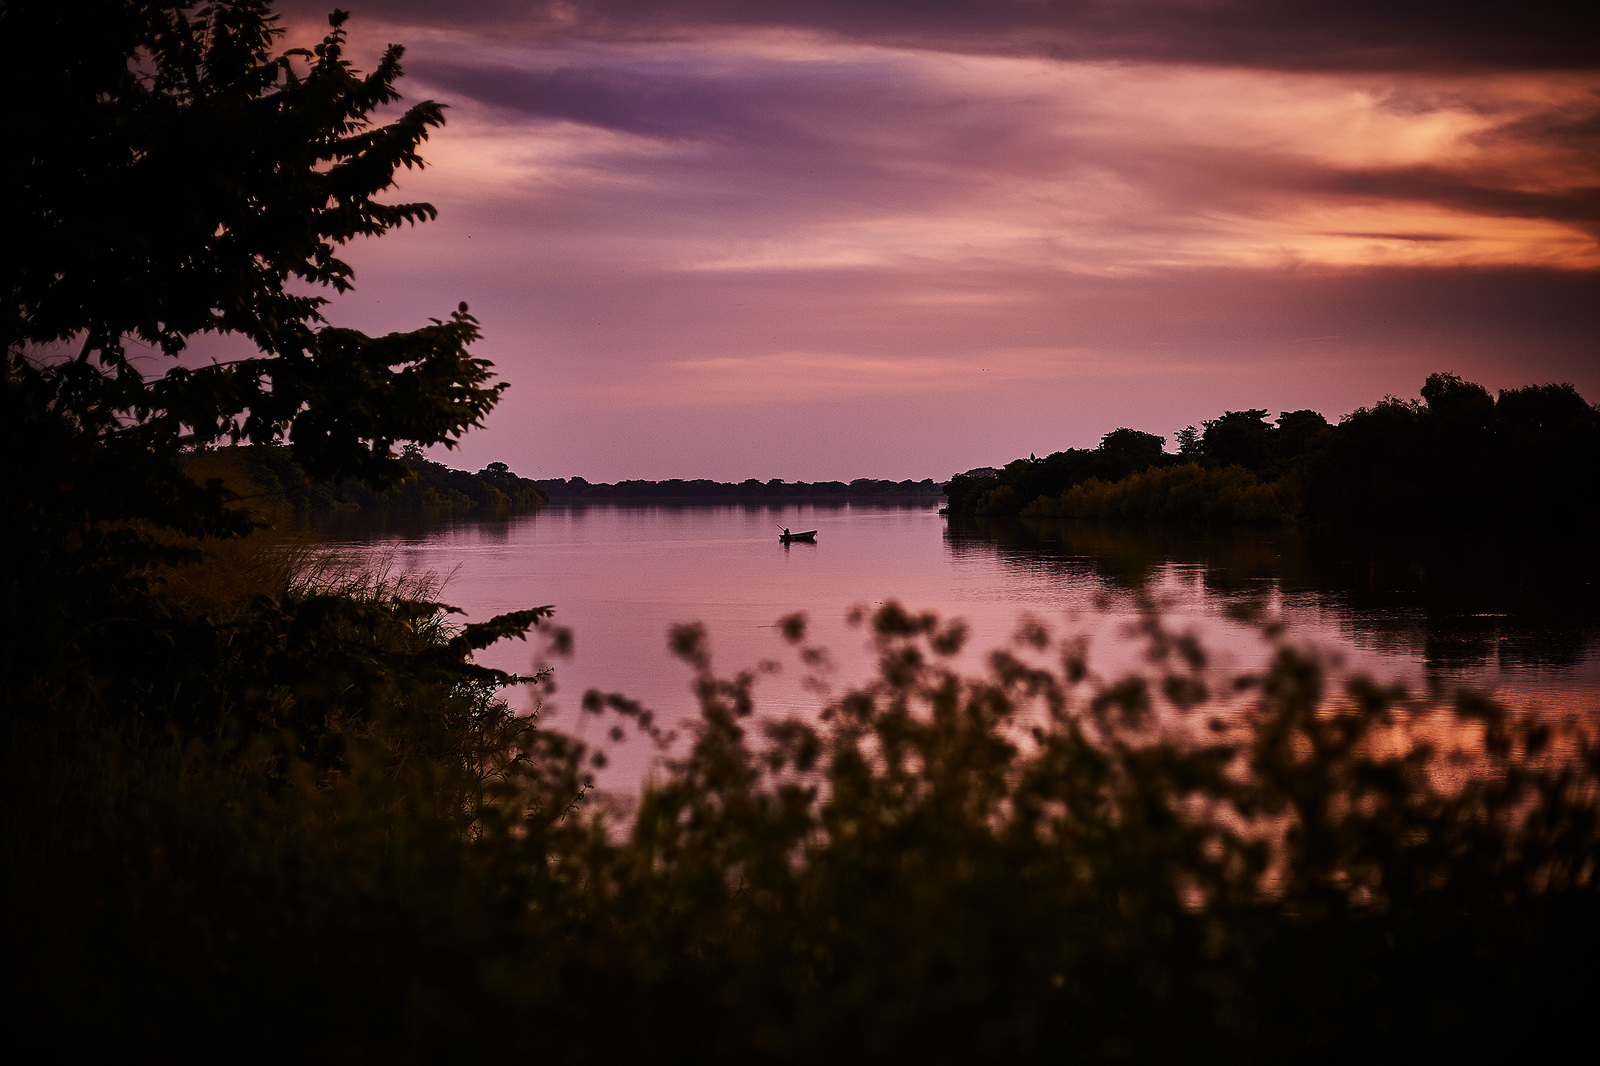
(868, 238)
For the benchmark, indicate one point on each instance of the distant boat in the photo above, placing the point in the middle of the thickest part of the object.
(809, 536)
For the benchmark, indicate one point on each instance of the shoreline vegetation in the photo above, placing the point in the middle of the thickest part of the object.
(268, 481)
(1459, 457)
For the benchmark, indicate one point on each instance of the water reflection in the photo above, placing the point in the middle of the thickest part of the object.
(1521, 624)
(1460, 606)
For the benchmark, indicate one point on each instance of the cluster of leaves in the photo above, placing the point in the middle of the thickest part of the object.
(1183, 493)
(1528, 459)
(167, 175)
(990, 492)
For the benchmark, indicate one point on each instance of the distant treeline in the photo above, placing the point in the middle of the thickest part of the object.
(1459, 456)
(564, 490)
(267, 477)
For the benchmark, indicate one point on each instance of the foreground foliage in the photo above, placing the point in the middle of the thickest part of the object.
(1032, 863)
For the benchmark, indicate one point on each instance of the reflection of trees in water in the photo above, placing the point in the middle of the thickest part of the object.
(1458, 604)
(413, 527)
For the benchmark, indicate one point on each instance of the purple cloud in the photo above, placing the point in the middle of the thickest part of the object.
(1327, 35)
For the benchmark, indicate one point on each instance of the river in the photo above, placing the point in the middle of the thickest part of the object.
(1523, 625)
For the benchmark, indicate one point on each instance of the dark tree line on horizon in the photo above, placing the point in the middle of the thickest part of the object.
(1460, 457)
(578, 490)
(267, 476)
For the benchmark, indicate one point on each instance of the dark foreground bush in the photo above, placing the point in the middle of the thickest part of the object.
(1033, 864)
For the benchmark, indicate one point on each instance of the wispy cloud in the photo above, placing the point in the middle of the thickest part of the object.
(873, 156)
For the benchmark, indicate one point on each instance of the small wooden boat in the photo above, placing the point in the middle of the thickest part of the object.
(809, 536)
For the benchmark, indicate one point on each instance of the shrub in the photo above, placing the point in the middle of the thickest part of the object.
(1185, 493)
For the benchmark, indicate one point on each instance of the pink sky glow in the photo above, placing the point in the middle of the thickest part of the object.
(818, 239)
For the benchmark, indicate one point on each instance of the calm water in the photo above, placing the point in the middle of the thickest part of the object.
(1523, 625)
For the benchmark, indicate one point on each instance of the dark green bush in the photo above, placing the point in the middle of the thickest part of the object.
(1187, 493)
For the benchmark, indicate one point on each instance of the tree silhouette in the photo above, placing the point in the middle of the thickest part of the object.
(1299, 432)
(1242, 438)
(168, 175)
(1127, 451)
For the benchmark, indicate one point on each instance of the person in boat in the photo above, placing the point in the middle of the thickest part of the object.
(786, 531)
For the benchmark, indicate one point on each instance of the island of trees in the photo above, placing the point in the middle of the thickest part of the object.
(1528, 458)
(259, 813)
